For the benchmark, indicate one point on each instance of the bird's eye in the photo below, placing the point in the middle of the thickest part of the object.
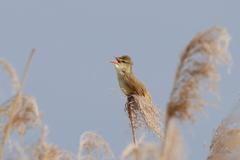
(123, 61)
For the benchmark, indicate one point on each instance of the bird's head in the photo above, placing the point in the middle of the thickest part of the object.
(123, 64)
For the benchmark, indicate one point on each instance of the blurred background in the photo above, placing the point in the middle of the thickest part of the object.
(71, 77)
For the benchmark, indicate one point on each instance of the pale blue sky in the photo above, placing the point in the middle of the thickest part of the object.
(71, 77)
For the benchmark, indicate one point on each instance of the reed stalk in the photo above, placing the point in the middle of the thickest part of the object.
(14, 105)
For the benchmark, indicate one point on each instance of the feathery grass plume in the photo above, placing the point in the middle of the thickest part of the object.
(226, 139)
(11, 72)
(41, 150)
(15, 103)
(145, 114)
(143, 151)
(225, 143)
(198, 65)
(44, 151)
(93, 146)
(27, 115)
(173, 148)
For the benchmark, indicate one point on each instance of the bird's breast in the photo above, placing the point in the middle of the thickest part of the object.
(123, 81)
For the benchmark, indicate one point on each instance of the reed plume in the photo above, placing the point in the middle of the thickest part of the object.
(92, 146)
(15, 105)
(143, 151)
(198, 66)
(11, 73)
(145, 114)
(42, 150)
(26, 115)
(226, 139)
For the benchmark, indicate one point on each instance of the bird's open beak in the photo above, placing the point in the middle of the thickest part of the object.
(118, 61)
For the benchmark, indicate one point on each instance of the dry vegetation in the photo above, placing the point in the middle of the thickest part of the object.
(92, 145)
(226, 142)
(198, 69)
(143, 113)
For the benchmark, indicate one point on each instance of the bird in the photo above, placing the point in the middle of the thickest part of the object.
(128, 83)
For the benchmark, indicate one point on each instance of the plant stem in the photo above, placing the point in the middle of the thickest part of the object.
(132, 124)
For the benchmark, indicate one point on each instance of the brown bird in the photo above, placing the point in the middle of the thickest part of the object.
(128, 83)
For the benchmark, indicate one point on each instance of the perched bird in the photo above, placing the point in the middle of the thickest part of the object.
(128, 83)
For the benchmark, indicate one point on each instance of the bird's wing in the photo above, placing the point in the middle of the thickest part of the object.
(136, 86)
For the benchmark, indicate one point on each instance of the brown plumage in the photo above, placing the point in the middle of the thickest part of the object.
(128, 83)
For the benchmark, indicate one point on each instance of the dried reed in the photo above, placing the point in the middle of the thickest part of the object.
(41, 150)
(26, 115)
(11, 73)
(197, 68)
(173, 148)
(143, 113)
(129, 110)
(44, 151)
(15, 102)
(198, 65)
(226, 139)
(143, 151)
(93, 146)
